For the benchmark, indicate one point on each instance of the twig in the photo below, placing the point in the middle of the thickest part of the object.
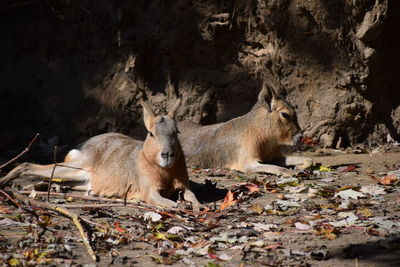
(26, 150)
(134, 203)
(10, 198)
(89, 198)
(75, 218)
(99, 206)
(52, 173)
(126, 194)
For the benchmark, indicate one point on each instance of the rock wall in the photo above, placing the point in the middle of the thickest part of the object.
(72, 69)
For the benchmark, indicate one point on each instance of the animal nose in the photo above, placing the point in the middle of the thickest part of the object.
(167, 155)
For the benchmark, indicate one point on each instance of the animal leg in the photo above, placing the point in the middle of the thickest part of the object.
(268, 168)
(300, 162)
(190, 196)
(64, 173)
(156, 199)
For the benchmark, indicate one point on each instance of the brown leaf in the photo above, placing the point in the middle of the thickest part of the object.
(212, 255)
(308, 141)
(118, 228)
(257, 208)
(228, 201)
(252, 188)
(273, 246)
(349, 168)
(388, 180)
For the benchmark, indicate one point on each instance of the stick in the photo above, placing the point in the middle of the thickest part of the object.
(89, 198)
(75, 218)
(26, 150)
(134, 203)
(126, 194)
(99, 206)
(10, 198)
(52, 173)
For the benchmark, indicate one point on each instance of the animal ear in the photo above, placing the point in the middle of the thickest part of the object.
(266, 96)
(174, 108)
(148, 114)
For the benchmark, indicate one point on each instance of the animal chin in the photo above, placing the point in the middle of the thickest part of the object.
(165, 163)
(296, 139)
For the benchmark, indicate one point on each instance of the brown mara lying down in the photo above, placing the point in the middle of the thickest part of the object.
(107, 164)
(249, 142)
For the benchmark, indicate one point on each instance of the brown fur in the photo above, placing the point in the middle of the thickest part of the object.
(111, 163)
(244, 143)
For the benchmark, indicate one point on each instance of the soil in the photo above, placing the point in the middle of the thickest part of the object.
(252, 232)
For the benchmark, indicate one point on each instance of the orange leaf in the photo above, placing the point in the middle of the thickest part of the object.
(252, 188)
(212, 255)
(273, 246)
(119, 229)
(228, 201)
(388, 180)
(307, 140)
(349, 168)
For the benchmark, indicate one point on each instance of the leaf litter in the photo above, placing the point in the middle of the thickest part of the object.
(259, 220)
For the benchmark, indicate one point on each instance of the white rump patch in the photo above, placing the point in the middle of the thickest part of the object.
(74, 154)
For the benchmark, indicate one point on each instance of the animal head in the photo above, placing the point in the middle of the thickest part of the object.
(161, 144)
(282, 121)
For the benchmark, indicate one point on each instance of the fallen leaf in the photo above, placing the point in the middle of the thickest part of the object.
(252, 188)
(307, 141)
(212, 255)
(389, 180)
(328, 231)
(257, 208)
(373, 190)
(349, 220)
(273, 246)
(285, 205)
(118, 228)
(264, 227)
(365, 212)
(225, 257)
(176, 229)
(325, 169)
(349, 168)
(349, 193)
(228, 201)
(152, 216)
(302, 226)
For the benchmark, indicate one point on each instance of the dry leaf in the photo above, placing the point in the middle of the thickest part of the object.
(228, 201)
(308, 141)
(257, 208)
(273, 246)
(252, 188)
(118, 228)
(349, 168)
(388, 180)
(365, 212)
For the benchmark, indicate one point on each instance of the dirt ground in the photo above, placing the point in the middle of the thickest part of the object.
(344, 212)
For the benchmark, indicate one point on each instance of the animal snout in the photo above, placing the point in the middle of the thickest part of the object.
(167, 158)
(297, 137)
(167, 155)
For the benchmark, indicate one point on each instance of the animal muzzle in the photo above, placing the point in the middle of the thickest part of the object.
(167, 159)
(296, 138)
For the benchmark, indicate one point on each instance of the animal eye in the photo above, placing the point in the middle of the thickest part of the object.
(285, 115)
(151, 134)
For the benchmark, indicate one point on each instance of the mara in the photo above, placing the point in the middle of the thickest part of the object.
(111, 164)
(250, 143)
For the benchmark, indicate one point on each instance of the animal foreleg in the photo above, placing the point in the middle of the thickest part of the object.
(268, 168)
(299, 162)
